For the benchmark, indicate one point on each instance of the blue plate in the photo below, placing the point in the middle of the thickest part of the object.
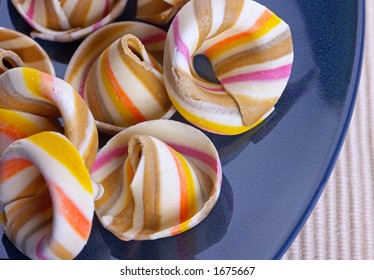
(274, 174)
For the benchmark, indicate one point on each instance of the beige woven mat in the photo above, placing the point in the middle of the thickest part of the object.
(342, 224)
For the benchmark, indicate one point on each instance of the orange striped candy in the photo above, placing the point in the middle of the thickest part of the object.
(160, 178)
(47, 197)
(121, 77)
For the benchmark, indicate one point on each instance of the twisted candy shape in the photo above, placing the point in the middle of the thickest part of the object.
(158, 11)
(17, 49)
(31, 91)
(160, 178)
(68, 20)
(250, 50)
(119, 77)
(47, 197)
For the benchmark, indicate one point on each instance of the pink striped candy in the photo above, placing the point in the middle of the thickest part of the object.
(250, 49)
(68, 20)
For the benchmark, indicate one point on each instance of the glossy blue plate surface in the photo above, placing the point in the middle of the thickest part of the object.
(274, 174)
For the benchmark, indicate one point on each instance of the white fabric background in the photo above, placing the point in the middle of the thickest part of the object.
(342, 224)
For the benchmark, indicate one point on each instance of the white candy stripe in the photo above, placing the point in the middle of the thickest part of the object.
(65, 229)
(137, 192)
(218, 14)
(107, 102)
(16, 42)
(169, 187)
(18, 183)
(132, 85)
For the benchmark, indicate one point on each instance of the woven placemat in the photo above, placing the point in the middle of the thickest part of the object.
(342, 223)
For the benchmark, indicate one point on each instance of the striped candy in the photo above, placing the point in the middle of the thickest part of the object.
(16, 125)
(68, 20)
(160, 178)
(34, 92)
(158, 11)
(47, 197)
(118, 76)
(17, 49)
(251, 52)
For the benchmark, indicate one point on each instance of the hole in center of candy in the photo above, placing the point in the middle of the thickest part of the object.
(8, 63)
(134, 51)
(204, 69)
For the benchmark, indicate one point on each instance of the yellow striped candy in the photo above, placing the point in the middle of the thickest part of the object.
(47, 197)
(31, 91)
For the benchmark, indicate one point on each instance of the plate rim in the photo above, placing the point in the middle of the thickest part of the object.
(346, 120)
